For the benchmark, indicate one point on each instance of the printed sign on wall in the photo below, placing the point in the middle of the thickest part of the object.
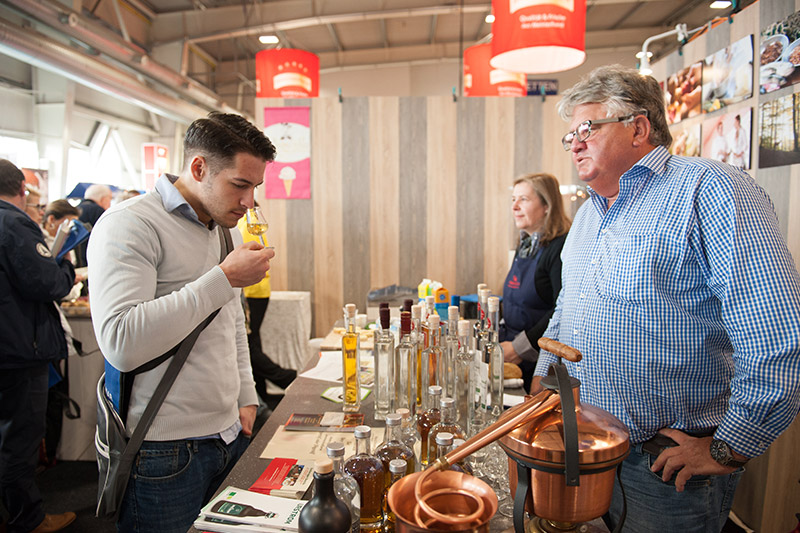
(289, 177)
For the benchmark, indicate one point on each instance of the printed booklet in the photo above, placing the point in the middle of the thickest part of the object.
(247, 507)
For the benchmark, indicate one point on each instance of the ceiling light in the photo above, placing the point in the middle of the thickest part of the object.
(640, 54)
(720, 4)
(269, 39)
(489, 18)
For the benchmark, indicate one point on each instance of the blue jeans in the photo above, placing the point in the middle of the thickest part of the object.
(172, 480)
(655, 506)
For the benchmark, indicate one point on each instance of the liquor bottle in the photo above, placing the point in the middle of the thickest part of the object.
(493, 354)
(444, 444)
(394, 447)
(397, 469)
(416, 336)
(351, 362)
(324, 513)
(428, 310)
(376, 333)
(432, 357)
(384, 375)
(429, 418)
(447, 424)
(466, 468)
(367, 470)
(463, 368)
(480, 326)
(408, 431)
(450, 348)
(405, 355)
(345, 486)
(407, 303)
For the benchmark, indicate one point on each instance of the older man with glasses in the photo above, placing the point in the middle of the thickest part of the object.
(680, 291)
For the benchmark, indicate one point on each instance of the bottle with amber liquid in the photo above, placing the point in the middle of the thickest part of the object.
(367, 470)
(397, 469)
(446, 424)
(429, 418)
(432, 357)
(405, 355)
(394, 447)
(324, 513)
(351, 362)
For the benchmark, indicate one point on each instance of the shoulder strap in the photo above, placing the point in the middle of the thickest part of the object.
(181, 353)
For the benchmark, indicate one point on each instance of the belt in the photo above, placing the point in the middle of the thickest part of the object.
(658, 443)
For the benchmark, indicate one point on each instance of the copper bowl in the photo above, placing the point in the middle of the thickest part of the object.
(403, 502)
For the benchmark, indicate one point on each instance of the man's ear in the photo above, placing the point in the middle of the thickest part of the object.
(198, 168)
(641, 130)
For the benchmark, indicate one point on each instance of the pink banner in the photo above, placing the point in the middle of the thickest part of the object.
(289, 177)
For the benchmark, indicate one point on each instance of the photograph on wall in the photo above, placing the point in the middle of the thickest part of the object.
(727, 138)
(779, 54)
(728, 75)
(684, 93)
(779, 132)
(289, 176)
(685, 140)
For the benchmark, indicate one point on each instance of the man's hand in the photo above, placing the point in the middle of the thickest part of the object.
(509, 354)
(247, 264)
(691, 457)
(247, 416)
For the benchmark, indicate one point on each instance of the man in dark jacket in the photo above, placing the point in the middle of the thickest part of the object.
(30, 338)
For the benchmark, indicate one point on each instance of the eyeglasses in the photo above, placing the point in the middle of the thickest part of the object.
(40, 207)
(584, 129)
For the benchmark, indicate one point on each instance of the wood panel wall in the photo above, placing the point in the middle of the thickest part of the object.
(404, 189)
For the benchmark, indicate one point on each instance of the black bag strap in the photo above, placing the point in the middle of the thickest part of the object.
(182, 353)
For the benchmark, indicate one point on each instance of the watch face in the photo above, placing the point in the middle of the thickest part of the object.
(720, 451)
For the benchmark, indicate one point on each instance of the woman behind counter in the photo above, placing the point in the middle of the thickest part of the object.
(534, 281)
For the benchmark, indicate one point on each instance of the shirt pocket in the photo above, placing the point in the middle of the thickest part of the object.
(628, 267)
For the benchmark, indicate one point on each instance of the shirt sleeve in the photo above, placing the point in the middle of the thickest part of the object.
(749, 269)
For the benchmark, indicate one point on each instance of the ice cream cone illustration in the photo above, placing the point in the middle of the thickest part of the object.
(287, 175)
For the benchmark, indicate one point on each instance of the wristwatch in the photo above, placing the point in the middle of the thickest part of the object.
(721, 453)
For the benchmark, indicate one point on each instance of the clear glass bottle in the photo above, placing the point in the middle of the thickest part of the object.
(447, 424)
(405, 355)
(325, 512)
(466, 468)
(450, 347)
(397, 469)
(345, 486)
(408, 431)
(444, 444)
(432, 357)
(493, 355)
(478, 326)
(462, 376)
(351, 362)
(394, 447)
(416, 336)
(367, 470)
(429, 418)
(384, 358)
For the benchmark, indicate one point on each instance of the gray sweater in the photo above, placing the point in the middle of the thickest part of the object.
(153, 277)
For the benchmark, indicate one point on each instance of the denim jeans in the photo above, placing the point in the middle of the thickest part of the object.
(655, 506)
(172, 480)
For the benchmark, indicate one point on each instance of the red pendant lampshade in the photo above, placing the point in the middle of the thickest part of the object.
(480, 79)
(287, 73)
(538, 36)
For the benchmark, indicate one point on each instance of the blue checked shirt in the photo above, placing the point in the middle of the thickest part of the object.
(685, 303)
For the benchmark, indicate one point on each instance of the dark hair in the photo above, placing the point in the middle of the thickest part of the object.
(60, 209)
(10, 178)
(220, 136)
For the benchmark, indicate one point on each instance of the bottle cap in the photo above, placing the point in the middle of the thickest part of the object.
(444, 439)
(397, 466)
(416, 311)
(457, 442)
(452, 312)
(405, 321)
(483, 294)
(430, 300)
(494, 304)
(335, 449)
(394, 419)
(455, 300)
(350, 310)
(463, 328)
(362, 432)
(433, 321)
(447, 402)
(383, 304)
(435, 390)
(407, 303)
(323, 466)
(384, 313)
(481, 286)
(405, 413)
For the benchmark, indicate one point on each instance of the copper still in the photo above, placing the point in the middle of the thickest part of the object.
(562, 461)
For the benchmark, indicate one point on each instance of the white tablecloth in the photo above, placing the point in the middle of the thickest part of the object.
(287, 328)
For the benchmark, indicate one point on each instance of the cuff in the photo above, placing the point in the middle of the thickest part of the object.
(524, 349)
(219, 288)
(248, 395)
(743, 436)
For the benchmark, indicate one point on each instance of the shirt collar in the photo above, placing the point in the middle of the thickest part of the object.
(653, 162)
(173, 200)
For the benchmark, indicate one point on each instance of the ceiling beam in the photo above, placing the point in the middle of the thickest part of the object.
(335, 37)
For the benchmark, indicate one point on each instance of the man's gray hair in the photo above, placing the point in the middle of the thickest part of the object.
(623, 91)
(97, 192)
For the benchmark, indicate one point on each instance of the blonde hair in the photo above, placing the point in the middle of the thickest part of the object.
(556, 223)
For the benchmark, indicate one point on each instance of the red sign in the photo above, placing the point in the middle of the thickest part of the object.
(480, 79)
(287, 73)
(155, 162)
(538, 36)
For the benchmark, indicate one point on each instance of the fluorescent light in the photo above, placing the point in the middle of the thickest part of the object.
(720, 4)
(489, 18)
(269, 39)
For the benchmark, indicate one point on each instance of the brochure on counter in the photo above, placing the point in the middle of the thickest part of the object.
(284, 477)
(329, 368)
(251, 509)
(335, 421)
(310, 445)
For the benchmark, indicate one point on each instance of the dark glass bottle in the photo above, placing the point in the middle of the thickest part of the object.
(367, 470)
(324, 513)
